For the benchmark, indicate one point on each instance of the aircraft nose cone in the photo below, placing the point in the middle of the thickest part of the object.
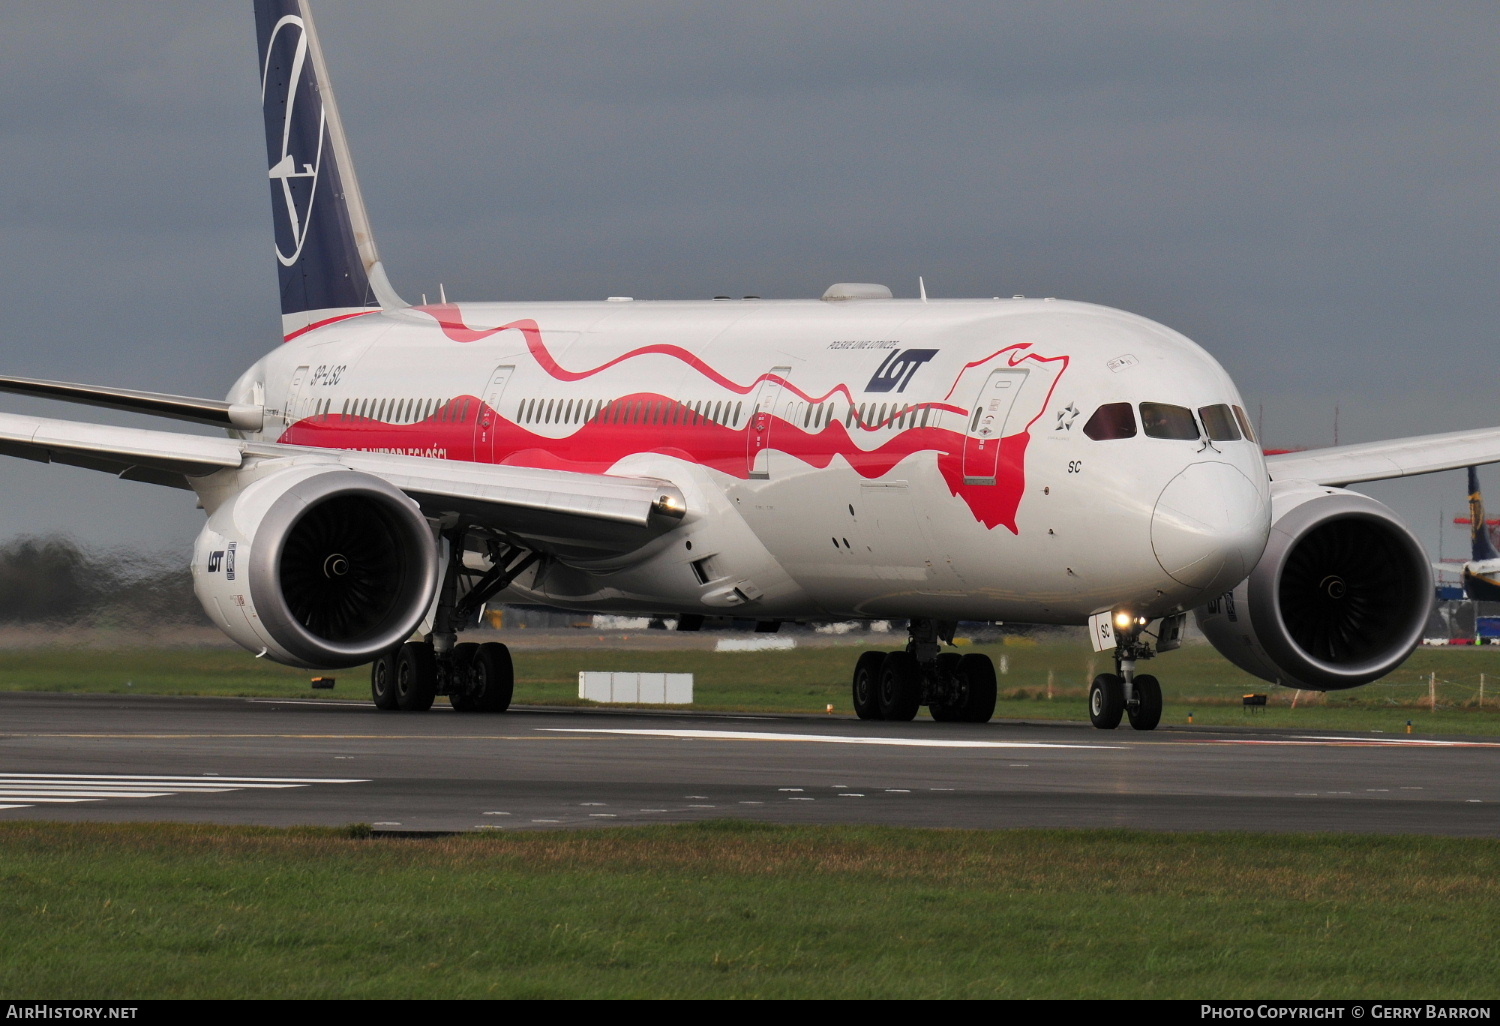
(1209, 527)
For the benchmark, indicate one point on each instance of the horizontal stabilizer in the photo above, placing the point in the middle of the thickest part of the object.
(156, 404)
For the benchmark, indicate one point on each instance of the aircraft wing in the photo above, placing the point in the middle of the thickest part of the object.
(552, 510)
(136, 454)
(556, 511)
(156, 404)
(1379, 461)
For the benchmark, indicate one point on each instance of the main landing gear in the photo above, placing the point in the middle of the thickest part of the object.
(475, 677)
(955, 688)
(1125, 692)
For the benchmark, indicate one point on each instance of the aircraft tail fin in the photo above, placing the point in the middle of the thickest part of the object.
(1479, 533)
(327, 261)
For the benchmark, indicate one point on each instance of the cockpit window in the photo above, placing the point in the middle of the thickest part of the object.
(1219, 423)
(1162, 420)
(1239, 415)
(1113, 420)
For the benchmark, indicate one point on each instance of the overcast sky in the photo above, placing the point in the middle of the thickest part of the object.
(1307, 190)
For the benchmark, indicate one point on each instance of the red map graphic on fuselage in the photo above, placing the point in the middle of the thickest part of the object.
(647, 422)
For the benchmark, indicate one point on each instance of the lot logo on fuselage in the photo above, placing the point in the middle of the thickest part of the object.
(897, 370)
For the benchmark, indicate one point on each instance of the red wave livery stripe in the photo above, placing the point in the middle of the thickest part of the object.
(326, 321)
(452, 325)
(599, 445)
(647, 422)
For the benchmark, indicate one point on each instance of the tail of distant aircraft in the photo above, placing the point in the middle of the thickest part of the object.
(1479, 533)
(327, 261)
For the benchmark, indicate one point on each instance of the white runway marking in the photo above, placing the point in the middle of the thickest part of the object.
(832, 739)
(52, 793)
(26, 790)
(1345, 742)
(206, 779)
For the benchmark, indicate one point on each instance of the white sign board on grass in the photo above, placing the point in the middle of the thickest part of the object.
(636, 688)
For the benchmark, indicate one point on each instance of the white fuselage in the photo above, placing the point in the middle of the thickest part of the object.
(863, 458)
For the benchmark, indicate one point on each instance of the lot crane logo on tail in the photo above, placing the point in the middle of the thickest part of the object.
(317, 250)
(286, 51)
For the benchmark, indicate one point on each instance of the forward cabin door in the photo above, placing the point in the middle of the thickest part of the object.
(290, 414)
(987, 424)
(487, 421)
(762, 415)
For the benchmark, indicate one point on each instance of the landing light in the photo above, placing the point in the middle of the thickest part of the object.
(670, 506)
(1125, 620)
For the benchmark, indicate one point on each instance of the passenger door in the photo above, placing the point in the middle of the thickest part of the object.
(987, 424)
(487, 422)
(762, 415)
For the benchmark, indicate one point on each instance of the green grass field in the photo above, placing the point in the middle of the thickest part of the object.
(1045, 680)
(753, 910)
(742, 910)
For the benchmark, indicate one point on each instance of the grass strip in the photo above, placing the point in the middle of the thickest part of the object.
(1039, 681)
(742, 910)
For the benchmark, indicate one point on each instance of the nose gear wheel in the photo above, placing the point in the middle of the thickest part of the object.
(1106, 701)
(1145, 712)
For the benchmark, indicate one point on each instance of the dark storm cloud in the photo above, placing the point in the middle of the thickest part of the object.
(1307, 190)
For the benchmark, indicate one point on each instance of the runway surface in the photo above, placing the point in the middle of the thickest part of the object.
(282, 763)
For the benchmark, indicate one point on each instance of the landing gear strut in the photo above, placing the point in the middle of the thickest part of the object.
(1125, 692)
(476, 678)
(955, 688)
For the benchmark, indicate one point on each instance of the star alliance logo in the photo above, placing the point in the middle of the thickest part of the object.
(287, 58)
(1065, 418)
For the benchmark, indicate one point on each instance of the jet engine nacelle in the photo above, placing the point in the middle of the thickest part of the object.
(316, 566)
(1339, 598)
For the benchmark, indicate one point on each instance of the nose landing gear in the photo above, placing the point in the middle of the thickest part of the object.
(1106, 701)
(955, 688)
(1126, 693)
(1145, 714)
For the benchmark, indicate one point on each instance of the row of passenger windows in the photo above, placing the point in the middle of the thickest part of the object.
(405, 411)
(1221, 423)
(813, 416)
(629, 411)
(816, 416)
(900, 417)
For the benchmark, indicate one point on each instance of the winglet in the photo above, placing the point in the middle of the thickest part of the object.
(325, 251)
